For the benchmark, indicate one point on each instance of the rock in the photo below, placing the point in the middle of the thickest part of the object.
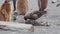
(34, 15)
(15, 26)
(33, 22)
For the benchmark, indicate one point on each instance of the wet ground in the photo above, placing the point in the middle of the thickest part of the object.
(53, 18)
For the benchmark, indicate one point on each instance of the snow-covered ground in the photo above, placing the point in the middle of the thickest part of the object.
(53, 18)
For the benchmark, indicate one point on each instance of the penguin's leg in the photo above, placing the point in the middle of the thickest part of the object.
(43, 4)
(14, 4)
(39, 5)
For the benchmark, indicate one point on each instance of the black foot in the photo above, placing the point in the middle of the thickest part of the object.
(53, 2)
(15, 15)
(58, 5)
